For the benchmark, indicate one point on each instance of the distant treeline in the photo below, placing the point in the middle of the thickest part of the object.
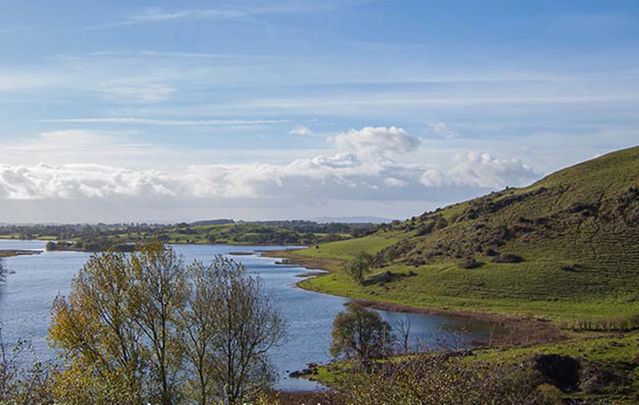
(92, 245)
(121, 237)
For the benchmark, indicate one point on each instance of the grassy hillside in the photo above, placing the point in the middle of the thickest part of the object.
(565, 248)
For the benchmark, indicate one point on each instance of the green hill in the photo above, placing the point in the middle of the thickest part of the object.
(566, 248)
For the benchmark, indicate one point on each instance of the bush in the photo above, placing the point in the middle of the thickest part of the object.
(470, 263)
(560, 371)
(508, 258)
(441, 379)
(424, 229)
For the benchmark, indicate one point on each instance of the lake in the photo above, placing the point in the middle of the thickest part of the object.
(26, 297)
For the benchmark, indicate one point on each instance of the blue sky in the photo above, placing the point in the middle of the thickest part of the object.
(168, 111)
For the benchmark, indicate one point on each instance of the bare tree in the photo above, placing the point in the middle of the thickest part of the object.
(246, 324)
(199, 331)
(403, 327)
(20, 384)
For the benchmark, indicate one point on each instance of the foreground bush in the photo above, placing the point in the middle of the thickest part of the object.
(441, 379)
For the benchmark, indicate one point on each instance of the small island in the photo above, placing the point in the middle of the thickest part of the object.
(18, 252)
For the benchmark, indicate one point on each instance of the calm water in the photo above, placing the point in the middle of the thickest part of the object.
(25, 302)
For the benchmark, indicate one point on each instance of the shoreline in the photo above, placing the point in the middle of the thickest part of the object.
(510, 331)
(236, 253)
(517, 330)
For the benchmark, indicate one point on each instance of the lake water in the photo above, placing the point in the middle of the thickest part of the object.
(26, 297)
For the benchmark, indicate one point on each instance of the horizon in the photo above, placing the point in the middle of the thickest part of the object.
(155, 111)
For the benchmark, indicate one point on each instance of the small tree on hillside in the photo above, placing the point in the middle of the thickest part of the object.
(360, 334)
(359, 266)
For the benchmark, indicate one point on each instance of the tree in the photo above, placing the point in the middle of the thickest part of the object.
(359, 266)
(157, 293)
(247, 326)
(117, 327)
(360, 334)
(102, 348)
(403, 327)
(145, 328)
(3, 271)
(20, 384)
(199, 331)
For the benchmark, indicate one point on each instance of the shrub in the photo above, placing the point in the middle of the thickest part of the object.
(508, 258)
(441, 379)
(560, 371)
(470, 263)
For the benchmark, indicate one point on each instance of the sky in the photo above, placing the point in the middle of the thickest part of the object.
(164, 111)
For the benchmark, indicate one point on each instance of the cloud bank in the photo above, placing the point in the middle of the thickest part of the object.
(364, 164)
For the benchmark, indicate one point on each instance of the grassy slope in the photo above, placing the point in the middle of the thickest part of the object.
(579, 242)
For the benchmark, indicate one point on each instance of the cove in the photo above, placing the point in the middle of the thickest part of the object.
(27, 295)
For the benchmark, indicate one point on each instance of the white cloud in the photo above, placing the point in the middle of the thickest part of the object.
(158, 15)
(78, 181)
(395, 182)
(137, 90)
(20, 81)
(300, 130)
(165, 122)
(440, 129)
(481, 170)
(376, 141)
(362, 166)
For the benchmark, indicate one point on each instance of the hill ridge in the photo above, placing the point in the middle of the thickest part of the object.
(566, 246)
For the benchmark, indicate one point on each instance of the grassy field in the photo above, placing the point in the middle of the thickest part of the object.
(445, 286)
(347, 249)
(574, 235)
